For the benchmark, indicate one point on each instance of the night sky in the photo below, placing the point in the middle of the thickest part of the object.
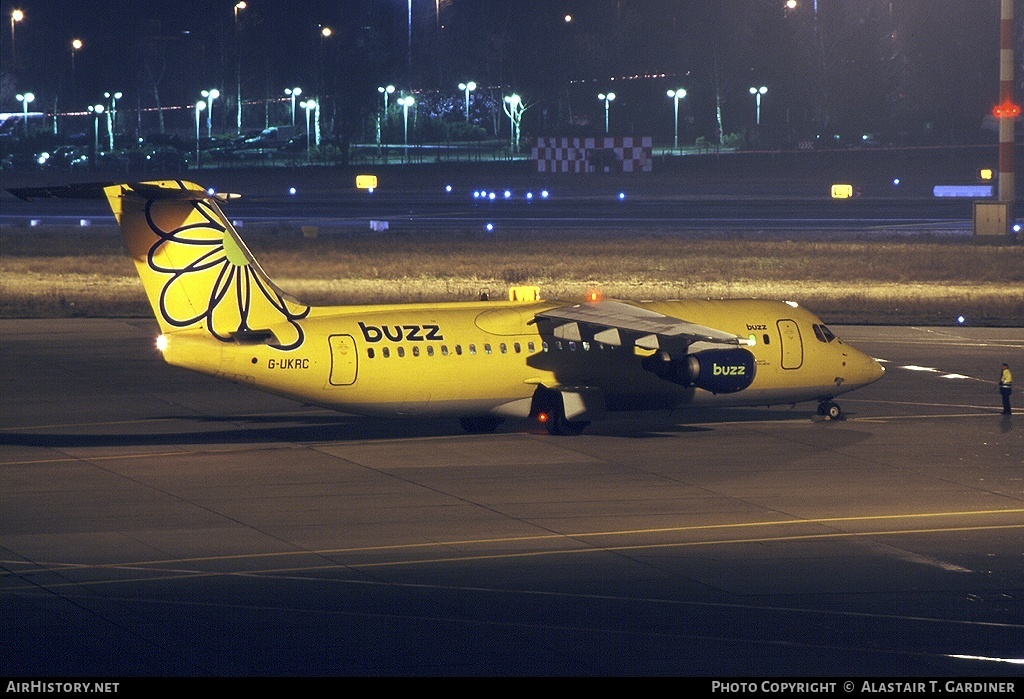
(913, 71)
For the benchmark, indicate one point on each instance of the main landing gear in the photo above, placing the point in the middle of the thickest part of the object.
(555, 423)
(480, 424)
(830, 409)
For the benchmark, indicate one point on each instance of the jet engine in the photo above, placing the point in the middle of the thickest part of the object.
(714, 370)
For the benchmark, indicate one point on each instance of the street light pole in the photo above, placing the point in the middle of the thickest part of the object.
(309, 105)
(514, 107)
(467, 88)
(25, 99)
(406, 102)
(16, 16)
(239, 6)
(76, 44)
(757, 92)
(321, 85)
(389, 90)
(96, 110)
(608, 98)
(676, 95)
(293, 92)
(210, 96)
(200, 106)
(112, 115)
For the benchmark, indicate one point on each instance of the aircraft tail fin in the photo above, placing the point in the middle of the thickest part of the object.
(195, 268)
(197, 272)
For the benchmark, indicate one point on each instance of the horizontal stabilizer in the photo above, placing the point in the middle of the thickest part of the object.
(89, 190)
(96, 190)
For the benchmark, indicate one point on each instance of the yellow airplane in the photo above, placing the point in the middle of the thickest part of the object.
(562, 364)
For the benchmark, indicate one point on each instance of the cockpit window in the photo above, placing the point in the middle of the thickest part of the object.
(823, 333)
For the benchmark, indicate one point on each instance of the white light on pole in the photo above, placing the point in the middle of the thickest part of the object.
(76, 44)
(514, 108)
(112, 115)
(757, 92)
(389, 90)
(293, 92)
(309, 105)
(25, 99)
(200, 106)
(210, 96)
(676, 95)
(97, 110)
(406, 102)
(608, 99)
(16, 16)
(467, 88)
(239, 6)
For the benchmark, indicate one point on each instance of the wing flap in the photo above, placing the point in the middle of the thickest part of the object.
(617, 323)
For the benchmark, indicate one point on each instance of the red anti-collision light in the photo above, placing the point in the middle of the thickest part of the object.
(1006, 110)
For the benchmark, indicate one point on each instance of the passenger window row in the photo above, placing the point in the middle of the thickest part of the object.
(487, 348)
(445, 351)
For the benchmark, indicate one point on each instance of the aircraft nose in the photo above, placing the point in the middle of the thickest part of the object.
(866, 369)
(876, 370)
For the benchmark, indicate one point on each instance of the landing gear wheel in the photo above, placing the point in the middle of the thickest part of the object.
(550, 410)
(557, 424)
(480, 424)
(830, 410)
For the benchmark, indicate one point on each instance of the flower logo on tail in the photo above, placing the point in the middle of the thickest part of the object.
(214, 279)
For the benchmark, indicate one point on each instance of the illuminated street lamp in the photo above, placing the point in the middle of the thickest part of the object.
(293, 92)
(309, 105)
(16, 16)
(112, 115)
(385, 91)
(210, 96)
(467, 88)
(757, 92)
(200, 106)
(325, 34)
(389, 90)
(676, 95)
(76, 44)
(97, 110)
(406, 102)
(25, 99)
(239, 6)
(514, 110)
(608, 98)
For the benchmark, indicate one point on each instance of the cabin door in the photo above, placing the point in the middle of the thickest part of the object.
(344, 361)
(792, 345)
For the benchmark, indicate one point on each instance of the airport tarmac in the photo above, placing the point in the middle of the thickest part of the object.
(155, 522)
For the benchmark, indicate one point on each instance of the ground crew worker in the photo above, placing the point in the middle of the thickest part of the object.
(1005, 387)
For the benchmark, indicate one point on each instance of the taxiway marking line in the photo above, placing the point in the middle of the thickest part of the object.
(823, 521)
(177, 575)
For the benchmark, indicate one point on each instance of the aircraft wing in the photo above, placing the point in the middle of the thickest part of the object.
(617, 323)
